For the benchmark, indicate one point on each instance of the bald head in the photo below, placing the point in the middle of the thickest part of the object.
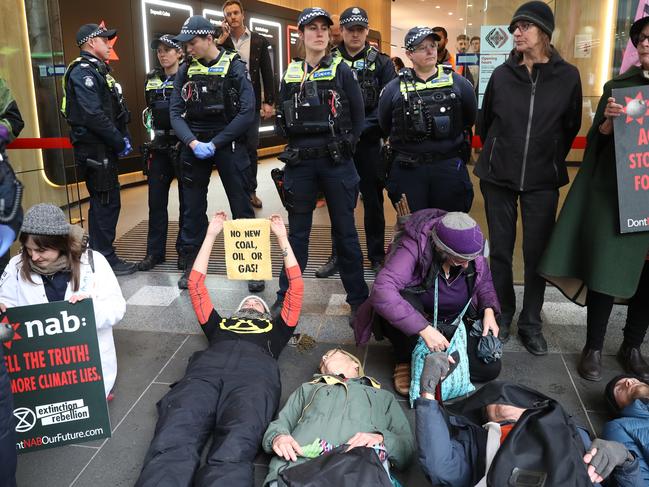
(336, 35)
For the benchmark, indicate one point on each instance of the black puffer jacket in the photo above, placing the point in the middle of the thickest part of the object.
(528, 122)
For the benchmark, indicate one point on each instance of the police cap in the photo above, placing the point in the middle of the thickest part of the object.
(309, 14)
(165, 40)
(195, 25)
(416, 35)
(354, 16)
(88, 31)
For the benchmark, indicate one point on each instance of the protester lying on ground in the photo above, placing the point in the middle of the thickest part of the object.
(629, 397)
(231, 389)
(55, 265)
(434, 278)
(341, 405)
(506, 433)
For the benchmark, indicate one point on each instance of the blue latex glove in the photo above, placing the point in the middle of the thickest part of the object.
(203, 150)
(127, 148)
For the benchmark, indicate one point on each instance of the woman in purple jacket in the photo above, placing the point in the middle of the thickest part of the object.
(447, 248)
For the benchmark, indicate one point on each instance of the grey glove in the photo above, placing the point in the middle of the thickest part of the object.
(435, 367)
(610, 454)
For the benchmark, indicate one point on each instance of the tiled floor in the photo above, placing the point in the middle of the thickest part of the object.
(159, 333)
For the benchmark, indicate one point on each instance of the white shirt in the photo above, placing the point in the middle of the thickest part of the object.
(242, 45)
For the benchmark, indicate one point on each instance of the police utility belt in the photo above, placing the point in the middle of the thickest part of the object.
(337, 151)
(408, 160)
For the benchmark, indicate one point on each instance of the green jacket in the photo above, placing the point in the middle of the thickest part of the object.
(10, 116)
(586, 249)
(335, 410)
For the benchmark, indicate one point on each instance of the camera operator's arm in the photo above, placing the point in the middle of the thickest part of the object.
(293, 299)
(201, 302)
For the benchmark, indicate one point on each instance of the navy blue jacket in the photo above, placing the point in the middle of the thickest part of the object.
(383, 72)
(391, 99)
(457, 453)
(92, 110)
(238, 78)
(345, 82)
(632, 430)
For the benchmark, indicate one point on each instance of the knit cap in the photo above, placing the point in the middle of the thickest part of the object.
(252, 296)
(45, 219)
(458, 235)
(539, 13)
(609, 394)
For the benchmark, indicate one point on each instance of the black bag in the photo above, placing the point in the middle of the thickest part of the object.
(358, 467)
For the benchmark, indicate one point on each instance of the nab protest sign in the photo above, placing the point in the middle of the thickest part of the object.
(247, 249)
(56, 378)
(631, 131)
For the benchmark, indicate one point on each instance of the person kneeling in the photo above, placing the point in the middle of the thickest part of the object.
(340, 406)
(231, 389)
(507, 434)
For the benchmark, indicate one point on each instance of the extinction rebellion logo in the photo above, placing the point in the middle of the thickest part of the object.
(50, 414)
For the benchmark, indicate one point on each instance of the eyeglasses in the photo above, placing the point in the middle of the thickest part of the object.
(425, 47)
(641, 38)
(522, 26)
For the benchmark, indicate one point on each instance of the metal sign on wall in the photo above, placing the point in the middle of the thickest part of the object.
(495, 45)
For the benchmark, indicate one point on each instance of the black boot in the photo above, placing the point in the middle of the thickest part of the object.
(590, 364)
(632, 361)
(329, 268)
(149, 262)
(534, 343)
(184, 279)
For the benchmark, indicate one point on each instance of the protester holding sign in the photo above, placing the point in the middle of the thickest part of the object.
(56, 265)
(232, 389)
(531, 112)
(587, 257)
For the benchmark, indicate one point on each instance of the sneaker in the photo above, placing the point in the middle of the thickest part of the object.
(256, 202)
(401, 377)
(149, 262)
(535, 344)
(256, 286)
(329, 268)
(123, 268)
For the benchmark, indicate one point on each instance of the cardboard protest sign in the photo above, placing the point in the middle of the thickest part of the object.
(247, 249)
(631, 132)
(56, 378)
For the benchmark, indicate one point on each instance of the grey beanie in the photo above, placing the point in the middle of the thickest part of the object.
(45, 219)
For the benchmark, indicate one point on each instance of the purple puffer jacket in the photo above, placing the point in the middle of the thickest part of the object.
(407, 266)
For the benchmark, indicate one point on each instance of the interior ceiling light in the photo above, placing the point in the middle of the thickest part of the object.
(470, 23)
(450, 13)
(460, 18)
(437, 6)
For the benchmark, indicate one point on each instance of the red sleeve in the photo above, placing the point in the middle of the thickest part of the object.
(293, 299)
(201, 301)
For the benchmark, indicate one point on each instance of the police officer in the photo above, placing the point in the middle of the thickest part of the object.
(212, 106)
(321, 112)
(97, 114)
(427, 112)
(161, 161)
(373, 70)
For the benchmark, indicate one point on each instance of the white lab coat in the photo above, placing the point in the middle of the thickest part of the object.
(101, 285)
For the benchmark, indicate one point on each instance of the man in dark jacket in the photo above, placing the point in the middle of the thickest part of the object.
(96, 112)
(629, 397)
(254, 51)
(496, 437)
(524, 158)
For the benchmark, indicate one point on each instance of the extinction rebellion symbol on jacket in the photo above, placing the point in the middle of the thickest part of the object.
(497, 37)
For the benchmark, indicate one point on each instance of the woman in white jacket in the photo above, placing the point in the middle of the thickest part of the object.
(55, 265)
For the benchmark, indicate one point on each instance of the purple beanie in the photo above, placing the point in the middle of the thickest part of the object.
(458, 235)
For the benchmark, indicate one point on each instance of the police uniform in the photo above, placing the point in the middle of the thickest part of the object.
(97, 114)
(212, 102)
(321, 112)
(427, 122)
(161, 159)
(373, 70)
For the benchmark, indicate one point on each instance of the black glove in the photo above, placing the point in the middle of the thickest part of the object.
(610, 454)
(435, 367)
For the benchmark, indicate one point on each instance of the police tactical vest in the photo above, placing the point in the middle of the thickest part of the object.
(117, 108)
(315, 104)
(365, 69)
(158, 94)
(430, 110)
(207, 93)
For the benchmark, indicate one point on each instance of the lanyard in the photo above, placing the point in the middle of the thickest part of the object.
(459, 317)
